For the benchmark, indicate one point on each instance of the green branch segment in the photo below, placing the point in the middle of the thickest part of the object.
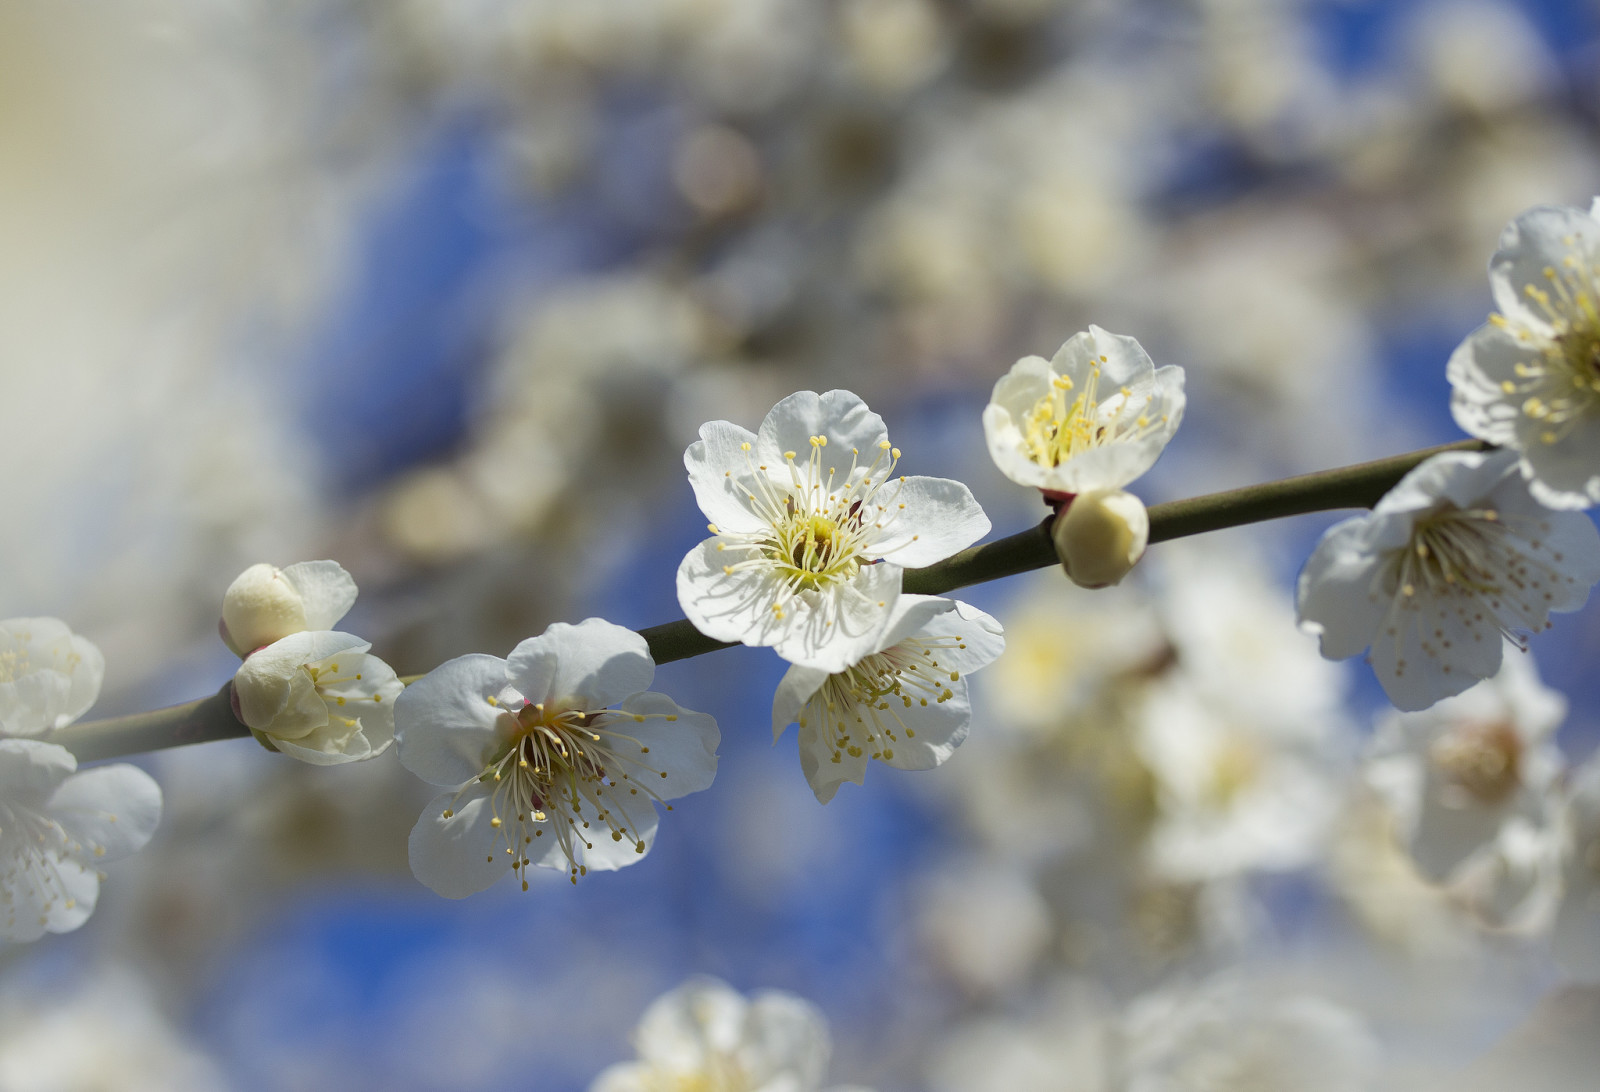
(1357, 486)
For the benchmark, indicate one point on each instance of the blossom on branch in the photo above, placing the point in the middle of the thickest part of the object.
(265, 604)
(1529, 379)
(705, 1035)
(539, 770)
(319, 697)
(57, 827)
(49, 676)
(1458, 554)
(811, 528)
(905, 704)
(1095, 416)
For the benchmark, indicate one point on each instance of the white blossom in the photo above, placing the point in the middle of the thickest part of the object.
(265, 604)
(1529, 379)
(319, 697)
(905, 704)
(57, 827)
(1100, 536)
(704, 1035)
(1576, 933)
(539, 770)
(49, 676)
(811, 528)
(1457, 554)
(1096, 416)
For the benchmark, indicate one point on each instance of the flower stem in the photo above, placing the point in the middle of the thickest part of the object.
(1358, 486)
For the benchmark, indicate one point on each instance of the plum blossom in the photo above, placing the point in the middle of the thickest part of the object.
(319, 697)
(49, 676)
(1458, 554)
(904, 704)
(706, 1035)
(538, 769)
(811, 528)
(57, 827)
(265, 604)
(1101, 536)
(1529, 379)
(1095, 416)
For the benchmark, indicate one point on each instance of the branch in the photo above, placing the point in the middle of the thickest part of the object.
(1357, 486)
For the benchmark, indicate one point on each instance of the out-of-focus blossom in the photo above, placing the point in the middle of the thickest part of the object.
(109, 1035)
(704, 1034)
(1225, 1034)
(530, 751)
(1456, 775)
(1576, 932)
(319, 697)
(806, 553)
(1455, 555)
(984, 924)
(1070, 1043)
(57, 827)
(265, 603)
(1101, 536)
(905, 704)
(1096, 416)
(1529, 379)
(49, 676)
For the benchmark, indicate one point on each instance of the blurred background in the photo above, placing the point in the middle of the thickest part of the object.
(442, 289)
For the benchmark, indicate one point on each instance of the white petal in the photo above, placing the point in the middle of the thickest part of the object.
(597, 664)
(982, 638)
(626, 1077)
(823, 774)
(1565, 474)
(1532, 242)
(839, 415)
(794, 690)
(927, 520)
(30, 770)
(1478, 367)
(784, 1034)
(834, 639)
(1339, 596)
(45, 894)
(678, 1027)
(719, 470)
(457, 857)
(685, 749)
(940, 727)
(1007, 447)
(111, 811)
(327, 592)
(444, 724)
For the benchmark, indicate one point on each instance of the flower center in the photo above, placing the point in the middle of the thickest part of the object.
(858, 709)
(33, 850)
(1057, 428)
(1235, 767)
(1560, 387)
(1485, 760)
(569, 772)
(820, 525)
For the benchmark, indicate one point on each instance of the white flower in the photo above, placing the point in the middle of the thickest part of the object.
(704, 1035)
(57, 827)
(904, 704)
(49, 676)
(811, 530)
(1096, 416)
(265, 604)
(1529, 379)
(1100, 536)
(1455, 775)
(319, 697)
(1457, 554)
(531, 752)
(1225, 1035)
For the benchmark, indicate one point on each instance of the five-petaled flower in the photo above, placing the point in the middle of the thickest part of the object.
(1529, 379)
(49, 676)
(905, 705)
(1457, 554)
(1096, 416)
(539, 770)
(57, 827)
(811, 528)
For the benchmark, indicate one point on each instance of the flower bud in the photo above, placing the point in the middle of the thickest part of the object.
(1100, 536)
(260, 607)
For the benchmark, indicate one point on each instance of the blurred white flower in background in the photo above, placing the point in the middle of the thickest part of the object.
(1452, 558)
(905, 704)
(49, 676)
(58, 827)
(705, 1035)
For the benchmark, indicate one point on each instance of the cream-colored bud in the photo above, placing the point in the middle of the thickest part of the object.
(260, 607)
(1101, 536)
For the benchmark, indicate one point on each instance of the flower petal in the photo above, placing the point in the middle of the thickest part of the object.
(327, 592)
(1540, 238)
(839, 415)
(927, 520)
(719, 469)
(111, 811)
(597, 664)
(684, 749)
(456, 857)
(445, 724)
(794, 690)
(1339, 596)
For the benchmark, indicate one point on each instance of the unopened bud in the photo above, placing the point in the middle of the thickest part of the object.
(1101, 536)
(260, 607)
